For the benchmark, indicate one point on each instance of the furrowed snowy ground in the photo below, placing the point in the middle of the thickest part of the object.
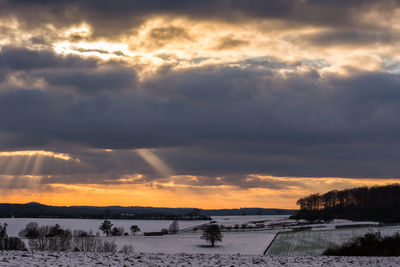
(315, 242)
(159, 259)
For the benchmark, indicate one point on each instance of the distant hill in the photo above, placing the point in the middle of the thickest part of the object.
(37, 210)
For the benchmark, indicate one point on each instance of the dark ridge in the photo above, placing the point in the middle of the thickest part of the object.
(37, 210)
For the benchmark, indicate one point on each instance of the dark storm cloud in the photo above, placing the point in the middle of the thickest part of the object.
(350, 37)
(19, 58)
(229, 43)
(113, 18)
(91, 82)
(222, 120)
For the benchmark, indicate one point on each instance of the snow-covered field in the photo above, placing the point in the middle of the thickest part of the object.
(315, 242)
(252, 241)
(232, 243)
(16, 224)
(159, 259)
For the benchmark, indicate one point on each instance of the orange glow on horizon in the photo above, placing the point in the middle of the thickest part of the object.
(173, 195)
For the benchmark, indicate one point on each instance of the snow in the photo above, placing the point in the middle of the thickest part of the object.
(159, 259)
(289, 245)
(232, 243)
(16, 224)
(315, 242)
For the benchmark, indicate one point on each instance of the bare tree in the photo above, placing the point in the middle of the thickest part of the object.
(174, 227)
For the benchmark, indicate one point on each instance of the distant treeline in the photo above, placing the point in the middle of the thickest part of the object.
(378, 203)
(37, 210)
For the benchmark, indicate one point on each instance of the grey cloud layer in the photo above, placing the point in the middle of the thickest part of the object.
(111, 18)
(211, 121)
(216, 121)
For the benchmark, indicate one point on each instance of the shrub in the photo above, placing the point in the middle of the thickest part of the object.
(82, 233)
(52, 238)
(109, 246)
(372, 244)
(127, 249)
(117, 231)
(15, 243)
(31, 230)
(87, 244)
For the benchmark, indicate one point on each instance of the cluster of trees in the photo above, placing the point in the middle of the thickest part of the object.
(107, 228)
(55, 238)
(378, 203)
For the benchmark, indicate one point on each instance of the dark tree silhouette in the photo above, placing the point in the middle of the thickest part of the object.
(117, 231)
(212, 233)
(105, 227)
(134, 229)
(174, 227)
(3, 236)
(378, 203)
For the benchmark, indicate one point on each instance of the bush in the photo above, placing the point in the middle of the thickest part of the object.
(372, 244)
(117, 231)
(12, 243)
(15, 243)
(127, 249)
(82, 233)
(31, 230)
(51, 238)
(109, 246)
(87, 244)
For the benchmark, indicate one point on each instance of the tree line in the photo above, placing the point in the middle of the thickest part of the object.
(56, 238)
(377, 203)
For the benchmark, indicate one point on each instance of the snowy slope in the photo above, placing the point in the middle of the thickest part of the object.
(153, 259)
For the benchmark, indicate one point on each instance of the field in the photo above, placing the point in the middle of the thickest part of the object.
(16, 224)
(160, 259)
(315, 242)
(252, 243)
(240, 247)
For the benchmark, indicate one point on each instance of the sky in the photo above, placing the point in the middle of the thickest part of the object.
(186, 103)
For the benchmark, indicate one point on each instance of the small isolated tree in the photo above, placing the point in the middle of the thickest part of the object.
(174, 227)
(105, 227)
(134, 229)
(212, 233)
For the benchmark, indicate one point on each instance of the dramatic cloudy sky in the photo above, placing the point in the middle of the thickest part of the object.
(212, 103)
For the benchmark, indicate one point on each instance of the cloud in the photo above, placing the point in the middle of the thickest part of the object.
(118, 17)
(228, 43)
(21, 58)
(354, 37)
(223, 94)
(230, 119)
